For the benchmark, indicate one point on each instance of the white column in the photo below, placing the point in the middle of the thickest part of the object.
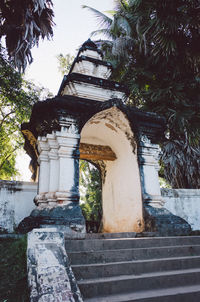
(68, 139)
(148, 162)
(43, 161)
(53, 169)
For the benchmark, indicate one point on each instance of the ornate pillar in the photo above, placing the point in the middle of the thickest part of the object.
(43, 161)
(157, 218)
(58, 193)
(148, 162)
(53, 169)
(68, 141)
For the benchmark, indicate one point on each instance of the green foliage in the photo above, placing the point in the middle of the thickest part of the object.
(154, 47)
(64, 63)
(13, 270)
(90, 181)
(16, 100)
(182, 164)
(8, 155)
(23, 25)
(163, 183)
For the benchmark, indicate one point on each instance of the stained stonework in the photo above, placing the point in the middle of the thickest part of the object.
(6, 216)
(96, 152)
(50, 276)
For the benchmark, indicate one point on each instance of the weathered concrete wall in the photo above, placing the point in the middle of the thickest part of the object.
(16, 202)
(184, 203)
(50, 276)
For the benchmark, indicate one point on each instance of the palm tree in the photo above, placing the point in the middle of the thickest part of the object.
(22, 24)
(155, 50)
(118, 31)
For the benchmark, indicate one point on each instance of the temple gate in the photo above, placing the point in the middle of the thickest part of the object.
(89, 119)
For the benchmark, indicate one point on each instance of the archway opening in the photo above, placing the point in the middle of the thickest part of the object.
(90, 195)
(108, 141)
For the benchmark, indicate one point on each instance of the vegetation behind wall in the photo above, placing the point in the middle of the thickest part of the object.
(13, 270)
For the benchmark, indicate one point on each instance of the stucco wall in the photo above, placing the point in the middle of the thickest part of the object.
(184, 203)
(16, 202)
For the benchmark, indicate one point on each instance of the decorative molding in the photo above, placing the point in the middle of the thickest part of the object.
(144, 139)
(93, 92)
(69, 125)
(91, 53)
(96, 152)
(95, 68)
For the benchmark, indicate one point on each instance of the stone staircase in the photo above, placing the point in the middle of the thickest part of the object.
(137, 269)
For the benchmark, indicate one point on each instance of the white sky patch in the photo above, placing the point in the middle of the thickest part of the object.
(22, 164)
(73, 27)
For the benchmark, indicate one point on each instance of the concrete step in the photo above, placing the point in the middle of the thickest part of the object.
(91, 288)
(174, 294)
(119, 255)
(128, 243)
(113, 235)
(122, 235)
(136, 267)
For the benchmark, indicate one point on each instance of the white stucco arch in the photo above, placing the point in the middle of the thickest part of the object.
(121, 188)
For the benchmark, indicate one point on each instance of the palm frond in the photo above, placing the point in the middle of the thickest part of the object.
(181, 164)
(101, 17)
(122, 47)
(103, 32)
(23, 25)
(110, 12)
(124, 25)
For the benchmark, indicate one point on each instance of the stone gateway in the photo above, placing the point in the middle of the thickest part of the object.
(89, 119)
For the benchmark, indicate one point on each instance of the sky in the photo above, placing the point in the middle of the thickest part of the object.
(73, 27)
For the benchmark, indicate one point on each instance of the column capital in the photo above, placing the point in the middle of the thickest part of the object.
(53, 154)
(53, 146)
(145, 143)
(68, 143)
(42, 144)
(52, 141)
(148, 153)
(69, 127)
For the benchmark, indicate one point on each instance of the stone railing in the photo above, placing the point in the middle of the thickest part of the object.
(50, 276)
